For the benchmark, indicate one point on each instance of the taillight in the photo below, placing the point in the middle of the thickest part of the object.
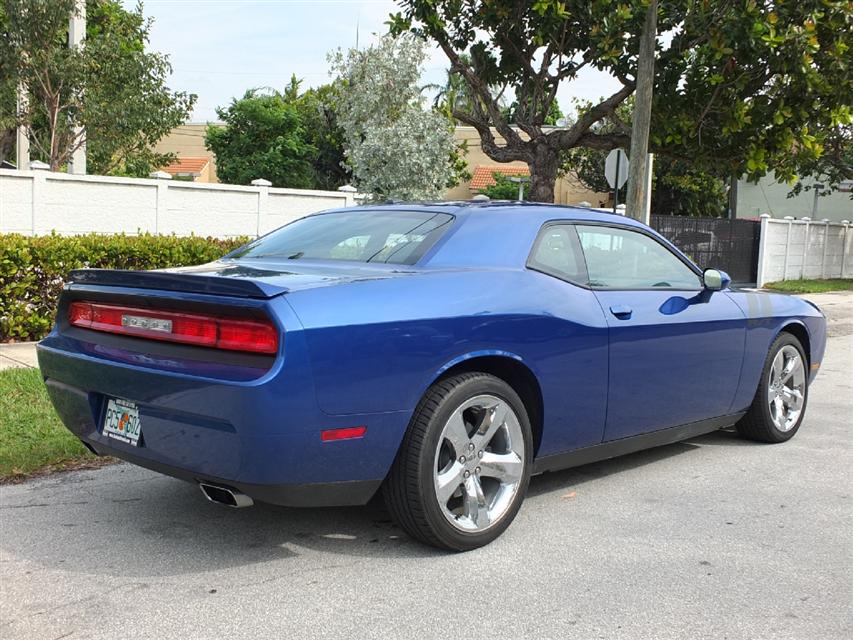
(218, 332)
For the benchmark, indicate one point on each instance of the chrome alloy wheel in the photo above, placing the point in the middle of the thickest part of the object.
(479, 463)
(786, 388)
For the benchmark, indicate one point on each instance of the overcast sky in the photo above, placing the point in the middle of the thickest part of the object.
(220, 48)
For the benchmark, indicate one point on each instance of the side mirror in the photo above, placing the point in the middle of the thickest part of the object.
(715, 280)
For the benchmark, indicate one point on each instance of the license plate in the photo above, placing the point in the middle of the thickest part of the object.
(121, 422)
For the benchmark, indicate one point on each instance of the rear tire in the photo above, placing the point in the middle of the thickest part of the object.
(779, 405)
(464, 465)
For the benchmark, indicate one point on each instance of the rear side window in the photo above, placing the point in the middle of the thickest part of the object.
(394, 237)
(557, 252)
(623, 259)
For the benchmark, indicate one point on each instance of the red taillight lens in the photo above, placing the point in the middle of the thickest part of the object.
(345, 433)
(234, 334)
(80, 314)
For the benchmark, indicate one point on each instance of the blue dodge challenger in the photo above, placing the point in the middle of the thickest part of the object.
(442, 353)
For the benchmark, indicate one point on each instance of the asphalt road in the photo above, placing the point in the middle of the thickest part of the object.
(715, 538)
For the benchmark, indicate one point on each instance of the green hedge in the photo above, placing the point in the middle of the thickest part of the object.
(33, 269)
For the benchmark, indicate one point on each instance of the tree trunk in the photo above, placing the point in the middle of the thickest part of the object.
(7, 143)
(543, 174)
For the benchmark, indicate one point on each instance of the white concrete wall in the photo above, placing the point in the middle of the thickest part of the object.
(795, 249)
(39, 202)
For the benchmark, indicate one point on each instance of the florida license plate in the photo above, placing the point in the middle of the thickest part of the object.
(121, 421)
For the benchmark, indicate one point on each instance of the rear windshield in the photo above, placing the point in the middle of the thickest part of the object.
(394, 237)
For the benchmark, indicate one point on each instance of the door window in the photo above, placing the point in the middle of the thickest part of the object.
(619, 258)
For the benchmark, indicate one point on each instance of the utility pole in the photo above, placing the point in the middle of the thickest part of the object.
(637, 196)
(76, 35)
(22, 143)
(732, 196)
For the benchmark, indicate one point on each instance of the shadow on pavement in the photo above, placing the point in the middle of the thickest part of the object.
(125, 521)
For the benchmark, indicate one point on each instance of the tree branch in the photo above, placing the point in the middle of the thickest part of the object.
(487, 140)
(604, 141)
(568, 138)
(456, 64)
(620, 124)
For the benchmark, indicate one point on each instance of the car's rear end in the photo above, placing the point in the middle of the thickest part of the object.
(206, 378)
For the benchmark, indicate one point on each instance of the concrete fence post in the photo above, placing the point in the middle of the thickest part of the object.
(39, 188)
(808, 221)
(349, 192)
(825, 222)
(762, 249)
(263, 194)
(161, 198)
(162, 205)
(790, 220)
(844, 236)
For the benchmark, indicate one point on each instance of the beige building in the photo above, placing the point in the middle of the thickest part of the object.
(568, 189)
(195, 162)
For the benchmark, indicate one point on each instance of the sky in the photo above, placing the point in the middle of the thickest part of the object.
(221, 48)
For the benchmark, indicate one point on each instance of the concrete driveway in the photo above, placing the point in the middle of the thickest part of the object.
(837, 306)
(715, 538)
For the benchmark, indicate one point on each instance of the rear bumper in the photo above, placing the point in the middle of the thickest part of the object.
(261, 437)
(313, 494)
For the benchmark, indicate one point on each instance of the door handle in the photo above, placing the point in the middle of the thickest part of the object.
(621, 311)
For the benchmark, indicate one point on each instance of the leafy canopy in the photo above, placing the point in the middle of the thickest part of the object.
(110, 94)
(394, 146)
(678, 187)
(758, 86)
(289, 138)
(832, 167)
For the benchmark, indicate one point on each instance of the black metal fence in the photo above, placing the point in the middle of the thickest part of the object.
(721, 243)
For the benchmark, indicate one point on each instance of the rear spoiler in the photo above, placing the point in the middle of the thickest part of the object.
(174, 281)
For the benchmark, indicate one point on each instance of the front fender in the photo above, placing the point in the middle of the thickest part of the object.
(768, 314)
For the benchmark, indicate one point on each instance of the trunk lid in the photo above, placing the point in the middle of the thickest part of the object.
(258, 279)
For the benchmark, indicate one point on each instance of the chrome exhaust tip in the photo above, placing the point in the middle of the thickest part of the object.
(226, 496)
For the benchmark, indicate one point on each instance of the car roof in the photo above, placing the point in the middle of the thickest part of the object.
(533, 211)
(491, 234)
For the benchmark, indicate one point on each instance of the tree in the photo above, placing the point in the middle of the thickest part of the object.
(833, 167)
(678, 187)
(682, 189)
(451, 96)
(290, 138)
(394, 147)
(316, 105)
(8, 101)
(755, 86)
(8, 116)
(110, 94)
(503, 189)
(554, 115)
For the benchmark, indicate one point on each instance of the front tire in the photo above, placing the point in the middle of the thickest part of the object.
(464, 466)
(779, 406)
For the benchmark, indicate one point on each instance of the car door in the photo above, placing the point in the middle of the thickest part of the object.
(676, 349)
(571, 342)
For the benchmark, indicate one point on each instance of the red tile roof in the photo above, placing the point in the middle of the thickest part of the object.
(187, 166)
(483, 175)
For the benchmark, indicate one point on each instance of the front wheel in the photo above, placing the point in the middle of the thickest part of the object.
(464, 465)
(780, 402)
